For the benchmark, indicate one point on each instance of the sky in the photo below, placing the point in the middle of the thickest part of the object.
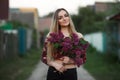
(46, 6)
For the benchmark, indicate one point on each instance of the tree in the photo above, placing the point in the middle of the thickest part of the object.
(17, 24)
(87, 21)
(49, 14)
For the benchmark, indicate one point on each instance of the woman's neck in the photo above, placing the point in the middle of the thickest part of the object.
(65, 31)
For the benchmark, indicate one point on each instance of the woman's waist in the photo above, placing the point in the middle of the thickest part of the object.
(67, 64)
(66, 61)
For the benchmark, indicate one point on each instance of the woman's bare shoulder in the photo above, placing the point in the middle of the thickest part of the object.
(48, 34)
(80, 35)
(47, 37)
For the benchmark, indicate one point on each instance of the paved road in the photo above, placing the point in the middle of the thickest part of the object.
(41, 70)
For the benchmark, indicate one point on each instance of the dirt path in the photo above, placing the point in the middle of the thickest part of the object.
(40, 72)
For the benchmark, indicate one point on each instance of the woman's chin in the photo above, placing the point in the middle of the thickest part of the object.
(65, 25)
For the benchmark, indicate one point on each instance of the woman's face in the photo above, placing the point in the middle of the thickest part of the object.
(63, 18)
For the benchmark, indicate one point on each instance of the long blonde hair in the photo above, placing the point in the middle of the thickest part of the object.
(55, 27)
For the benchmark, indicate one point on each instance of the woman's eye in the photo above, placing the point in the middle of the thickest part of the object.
(66, 15)
(59, 18)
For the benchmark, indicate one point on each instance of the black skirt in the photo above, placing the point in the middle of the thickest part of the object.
(69, 74)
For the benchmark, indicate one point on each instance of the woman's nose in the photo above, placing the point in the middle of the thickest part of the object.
(64, 18)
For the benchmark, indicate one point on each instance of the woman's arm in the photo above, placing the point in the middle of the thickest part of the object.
(58, 65)
(44, 53)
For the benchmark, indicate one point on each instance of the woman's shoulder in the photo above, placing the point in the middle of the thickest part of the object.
(80, 35)
(48, 34)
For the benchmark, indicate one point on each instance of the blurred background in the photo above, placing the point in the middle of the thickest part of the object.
(25, 23)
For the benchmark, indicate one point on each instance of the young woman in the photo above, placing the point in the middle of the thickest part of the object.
(63, 67)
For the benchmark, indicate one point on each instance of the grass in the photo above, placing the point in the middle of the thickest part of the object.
(102, 66)
(19, 68)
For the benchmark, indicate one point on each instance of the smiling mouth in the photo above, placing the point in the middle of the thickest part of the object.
(65, 22)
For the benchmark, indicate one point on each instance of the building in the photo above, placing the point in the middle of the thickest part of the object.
(4, 4)
(44, 24)
(27, 16)
(102, 6)
(114, 29)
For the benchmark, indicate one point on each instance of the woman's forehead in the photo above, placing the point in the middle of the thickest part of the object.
(62, 12)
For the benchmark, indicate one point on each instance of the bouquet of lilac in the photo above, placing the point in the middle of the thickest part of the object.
(72, 46)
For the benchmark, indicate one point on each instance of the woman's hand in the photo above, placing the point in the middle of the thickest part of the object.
(58, 65)
(66, 59)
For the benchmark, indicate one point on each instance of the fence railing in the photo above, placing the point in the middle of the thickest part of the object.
(1, 45)
(8, 45)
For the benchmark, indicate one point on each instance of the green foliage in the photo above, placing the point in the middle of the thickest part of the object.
(112, 37)
(17, 24)
(77, 20)
(46, 31)
(88, 21)
(20, 68)
(34, 38)
(49, 15)
(114, 9)
(56, 45)
(102, 66)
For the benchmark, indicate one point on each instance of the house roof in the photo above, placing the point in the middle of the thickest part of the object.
(114, 17)
(24, 18)
(44, 23)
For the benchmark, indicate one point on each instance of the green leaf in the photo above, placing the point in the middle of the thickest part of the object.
(83, 41)
(56, 45)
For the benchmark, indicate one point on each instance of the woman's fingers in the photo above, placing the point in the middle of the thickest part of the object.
(66, 59)
(62, 69)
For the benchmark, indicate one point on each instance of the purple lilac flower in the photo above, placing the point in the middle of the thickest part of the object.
(66, 44)
(78, 61)
(75, 39)
(74, 47)
(55, 37)
(85, 46)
